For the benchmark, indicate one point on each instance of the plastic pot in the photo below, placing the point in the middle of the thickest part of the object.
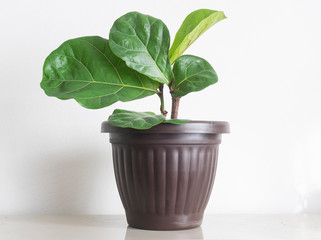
(165, 174)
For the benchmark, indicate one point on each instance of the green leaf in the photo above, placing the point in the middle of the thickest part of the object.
(138, 120)
(176, 121)
(142, 42)
(194, 25)
(86, 69)
(192, 74)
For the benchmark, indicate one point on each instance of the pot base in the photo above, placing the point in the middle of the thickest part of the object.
(166, 222)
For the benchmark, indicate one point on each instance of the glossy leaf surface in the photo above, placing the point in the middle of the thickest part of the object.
(192, 74)
(176, 121)
(137, 120)
(194, 25)
(142, 42)
(86, 69)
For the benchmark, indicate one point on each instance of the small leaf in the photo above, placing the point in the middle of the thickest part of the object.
(176, 121)
(138, 120)
(86, 69)
(194, 25)
(142, 42)
(192, 74)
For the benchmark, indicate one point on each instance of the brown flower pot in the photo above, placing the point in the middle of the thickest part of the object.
(165, 174)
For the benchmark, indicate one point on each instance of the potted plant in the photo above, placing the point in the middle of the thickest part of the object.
(164, 168)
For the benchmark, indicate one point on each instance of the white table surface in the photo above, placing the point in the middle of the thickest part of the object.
(222, 227)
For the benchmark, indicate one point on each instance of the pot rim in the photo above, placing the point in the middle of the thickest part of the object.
(208, 127)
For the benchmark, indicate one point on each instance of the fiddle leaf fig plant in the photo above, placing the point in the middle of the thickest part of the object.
(137, 120)
(87, 70)
(194, 25)
(192, 74)
(134, 63)
(143, 43)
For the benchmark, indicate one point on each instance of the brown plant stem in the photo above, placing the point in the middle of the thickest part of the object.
(161, 96)
(175, 101)
(175, 105)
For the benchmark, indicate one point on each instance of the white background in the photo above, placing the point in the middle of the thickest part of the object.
(53, 158)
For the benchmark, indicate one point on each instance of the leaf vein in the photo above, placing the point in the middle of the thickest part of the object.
(114, 84)
(186, 78)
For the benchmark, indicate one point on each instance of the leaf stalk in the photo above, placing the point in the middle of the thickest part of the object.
(161, 97)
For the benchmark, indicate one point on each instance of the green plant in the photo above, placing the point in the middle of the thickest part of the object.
(134, 63)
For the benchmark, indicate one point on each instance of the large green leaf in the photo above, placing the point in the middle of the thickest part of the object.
(192, 74)
(194, 25)
(142, 42)
(86, 69)
(137, 120)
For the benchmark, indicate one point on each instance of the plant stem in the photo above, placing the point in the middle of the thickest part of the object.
(161, 96)
(175, 101)
(175, 105)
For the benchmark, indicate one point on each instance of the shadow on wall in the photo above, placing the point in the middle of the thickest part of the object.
(72, 182)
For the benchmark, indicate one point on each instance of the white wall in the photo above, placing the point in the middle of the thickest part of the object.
(53, 159)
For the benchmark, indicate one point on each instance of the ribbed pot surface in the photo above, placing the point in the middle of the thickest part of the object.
(164, 179)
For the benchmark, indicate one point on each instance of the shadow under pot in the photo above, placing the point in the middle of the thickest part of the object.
(165, 174)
